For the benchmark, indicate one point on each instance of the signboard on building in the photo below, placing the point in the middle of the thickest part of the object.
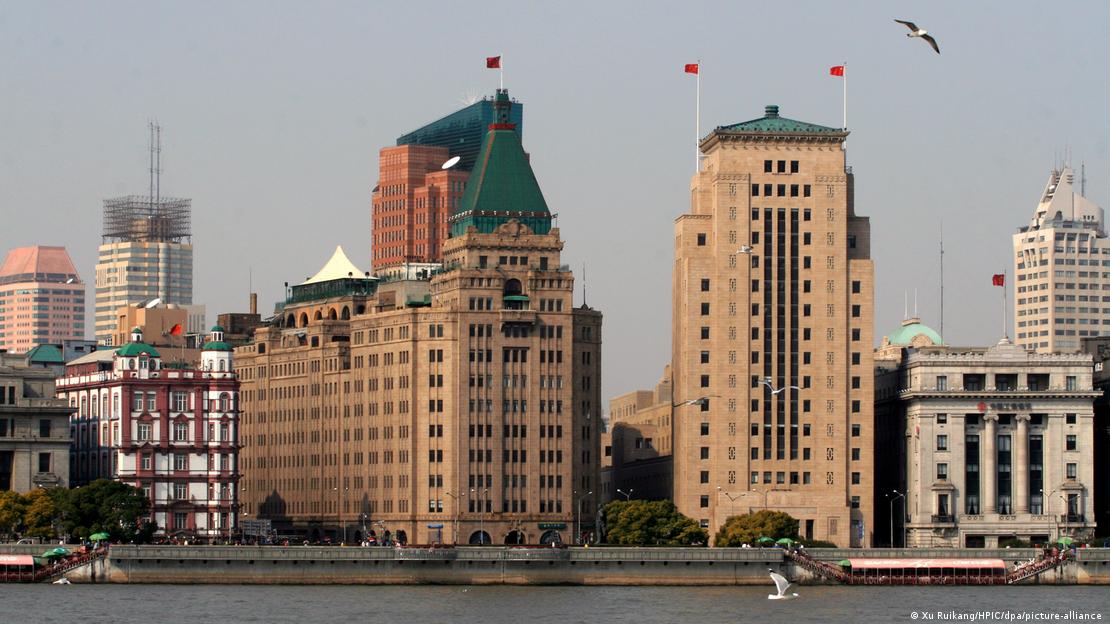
(255, 528)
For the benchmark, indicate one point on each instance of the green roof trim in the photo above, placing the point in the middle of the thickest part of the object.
(132, 349)
(216, 346)
(905, 334)
(45, 354)
(502, 185)
(771, 122)
(516, 298)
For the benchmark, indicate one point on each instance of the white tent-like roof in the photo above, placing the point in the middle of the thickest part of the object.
(339, 267)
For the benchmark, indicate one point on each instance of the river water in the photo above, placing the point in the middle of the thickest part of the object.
(211, 604)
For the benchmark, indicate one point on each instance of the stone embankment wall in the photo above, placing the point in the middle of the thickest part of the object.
(512, 566)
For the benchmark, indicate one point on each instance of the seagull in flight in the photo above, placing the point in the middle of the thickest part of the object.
(698, 401)
(781, 584)
(920, 32)
(766, 381)
(744, 249)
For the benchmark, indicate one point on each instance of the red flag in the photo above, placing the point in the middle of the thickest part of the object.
(177, 330)
(998, 279)
(837, 70)
(691, 68)
(493, 62)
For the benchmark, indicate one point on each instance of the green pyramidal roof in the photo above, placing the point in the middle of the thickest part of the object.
(772, 122)
(502, 185)
(132, 349)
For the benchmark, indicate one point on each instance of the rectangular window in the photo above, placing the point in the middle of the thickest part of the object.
(1070, 442)
(44, 428)
(942, 472)
(701, 240)
(44, 462)
(942, 442)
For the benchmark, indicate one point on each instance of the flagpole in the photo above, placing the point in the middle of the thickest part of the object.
(697, 122)
(501, 70)
(1005, 329)
(845, 106)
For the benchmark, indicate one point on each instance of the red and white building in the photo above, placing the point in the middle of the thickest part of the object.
(171, 430)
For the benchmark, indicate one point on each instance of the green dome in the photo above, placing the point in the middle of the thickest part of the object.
(217, 328)
(216, 346)
(912, 328)
(132, 349)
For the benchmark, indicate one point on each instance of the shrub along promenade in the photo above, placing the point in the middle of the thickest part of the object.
(518, 566)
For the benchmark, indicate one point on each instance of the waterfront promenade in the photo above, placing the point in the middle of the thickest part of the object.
(518, 566)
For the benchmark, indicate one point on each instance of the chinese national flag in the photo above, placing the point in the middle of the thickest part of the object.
(691, 68)
(493, 62)
(837, 70)
(998, 279)
(177, 330)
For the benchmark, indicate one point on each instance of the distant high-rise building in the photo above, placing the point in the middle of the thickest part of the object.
(462, 131)
(772, 334)
(415, 194)
(146, 253)
(1057, 269)
(42, 299)
(411, 204)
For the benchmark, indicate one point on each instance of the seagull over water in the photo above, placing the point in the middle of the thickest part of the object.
(915, 31)
(766, 381)
(781, 584)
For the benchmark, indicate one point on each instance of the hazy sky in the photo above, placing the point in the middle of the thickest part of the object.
(273, 114)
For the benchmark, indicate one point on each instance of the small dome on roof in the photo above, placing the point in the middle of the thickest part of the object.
(217, 328)
(914, 333)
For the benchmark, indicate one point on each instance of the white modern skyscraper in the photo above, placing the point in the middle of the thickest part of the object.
(1062, 285)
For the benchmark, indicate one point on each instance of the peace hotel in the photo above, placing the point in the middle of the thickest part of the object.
(995, 443)
(458, 404)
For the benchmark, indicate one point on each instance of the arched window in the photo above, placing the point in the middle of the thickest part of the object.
(346, 315)
(512, 287)
(332, 315)
(360, 310)
(479, 537)
(290, 321)
(225, 400)
(514, 299)
(222, 363)
(304, 320)
(317, 316)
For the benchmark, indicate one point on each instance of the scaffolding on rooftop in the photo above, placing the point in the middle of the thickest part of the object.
(138, 218)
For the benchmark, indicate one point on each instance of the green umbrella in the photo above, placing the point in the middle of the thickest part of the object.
(844, 563)
(96, 537)
(765, 540)
(61, 552)
(1066, 541)
(785, 541)
(50, 554)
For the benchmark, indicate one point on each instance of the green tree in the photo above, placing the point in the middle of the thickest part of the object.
(650, 523)
(40, 514)
(109, 506)
(12, 509)
(746, 529)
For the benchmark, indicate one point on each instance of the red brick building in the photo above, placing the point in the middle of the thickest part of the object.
(411, 203)
(173, 432)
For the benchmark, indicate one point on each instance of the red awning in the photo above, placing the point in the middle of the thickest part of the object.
(925, 564)
(17, 560)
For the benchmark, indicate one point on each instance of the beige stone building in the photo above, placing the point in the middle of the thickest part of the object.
(996, 443)
(772, 323)
(1061, 291)
(34, 428)
(457, 407)
(636, 457)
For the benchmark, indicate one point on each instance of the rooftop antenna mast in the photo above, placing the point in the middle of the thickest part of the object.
(155, 164)
(942, 278)
(583, 283)
(1083, 179)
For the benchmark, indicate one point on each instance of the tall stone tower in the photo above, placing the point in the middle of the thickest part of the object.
(772, 331)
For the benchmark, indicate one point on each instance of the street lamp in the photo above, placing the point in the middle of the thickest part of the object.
(627, 495)
(578, 517)
(339, 521)
(896, 496)
(482, 518)
(458, 505)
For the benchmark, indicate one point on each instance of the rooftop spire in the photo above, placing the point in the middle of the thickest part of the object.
(502, 185)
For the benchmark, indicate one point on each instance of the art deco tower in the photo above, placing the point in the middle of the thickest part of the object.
(772, 322)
